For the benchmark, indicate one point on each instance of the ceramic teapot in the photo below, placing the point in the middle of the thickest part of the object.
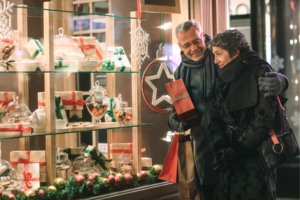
(38, 120)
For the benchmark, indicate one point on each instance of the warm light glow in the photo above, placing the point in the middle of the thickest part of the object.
(291, 42)
(166, 26)
(291, 26)
(169, 136)
(296, 98)
(296, 81)
(295, 41)
(292, 57)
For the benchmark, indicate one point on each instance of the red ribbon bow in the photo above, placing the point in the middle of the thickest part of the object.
(72, 101)
(82, 46)
(6, 101)
(100, 57)
(17, 128)
(26, 160)
(27, 178)
(7, 40)
(41, 103)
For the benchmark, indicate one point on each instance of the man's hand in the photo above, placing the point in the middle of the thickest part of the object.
(174, 123)
(273, 83)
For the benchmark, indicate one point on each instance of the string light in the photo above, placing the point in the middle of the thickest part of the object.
(296, 98)
(291, 26)
(295, 41)
(291, 42)
(296, 81)
(292, 57)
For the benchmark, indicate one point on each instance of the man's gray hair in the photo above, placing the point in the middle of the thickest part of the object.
(185, 26)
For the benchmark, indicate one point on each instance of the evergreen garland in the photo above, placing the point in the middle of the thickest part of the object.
(74, 189)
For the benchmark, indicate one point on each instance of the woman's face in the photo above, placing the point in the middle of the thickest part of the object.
(222, 56)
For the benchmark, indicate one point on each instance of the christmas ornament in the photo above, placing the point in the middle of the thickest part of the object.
(162, 59)
(90, 184)
(117, 181)
(139, 176)
(42, 192)
(60, 182)
(79, 178)
(111, 178)
(51, 187)
(5, 17)
(295, 118)
(91, 178)
(11, 196)
(139, 42)
(106, 182)
(157, 169)
(128, 178)
(30, 194)
(119, 175)
(143, 174)
(277, 63)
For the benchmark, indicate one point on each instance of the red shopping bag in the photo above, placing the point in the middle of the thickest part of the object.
(169, 170)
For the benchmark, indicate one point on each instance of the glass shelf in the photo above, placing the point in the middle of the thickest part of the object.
(64, 72)
(77, 130)
(38, 12)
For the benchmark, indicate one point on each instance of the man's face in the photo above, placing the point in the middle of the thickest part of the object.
(192, 43)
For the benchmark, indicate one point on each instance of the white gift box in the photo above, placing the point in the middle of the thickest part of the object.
(5, 99)
(41, 104)
(99, 55)
(36, 50)
(66, 65)
(87, 45)
(120, 58)
(146, 162)
(14, 130)
(72, 98)
(30, 174)
(117, 149)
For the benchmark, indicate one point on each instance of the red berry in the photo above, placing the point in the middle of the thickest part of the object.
(111, 178)
(117, 181)
(42, 192)
(11, 196)
(143, 174)
(79, 178)
(91, 177)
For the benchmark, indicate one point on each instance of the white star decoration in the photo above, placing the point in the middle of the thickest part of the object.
(5, 17)
(295, 118)
(139, 41)
(277, 63)
(163, 67)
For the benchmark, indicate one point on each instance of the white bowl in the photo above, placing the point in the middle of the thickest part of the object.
(25, 66)
(87, 65)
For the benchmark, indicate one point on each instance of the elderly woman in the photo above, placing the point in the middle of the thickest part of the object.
(241, 119)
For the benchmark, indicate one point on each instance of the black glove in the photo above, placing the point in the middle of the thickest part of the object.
(223, 159)
(273, 83)
(174, 123)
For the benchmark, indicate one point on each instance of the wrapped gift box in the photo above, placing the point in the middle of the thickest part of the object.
(146, 163)
(110, 108)
(129, 115)
(87, 45)
(182, 102)
(36, 50)
(99, 55)
(30, 173)
(5, 99)
(66, 65)
(39, 157)
(117, 149)
(59, 108)
(120, 58)
(15, 130)
(101, 162)
(63, 171)
(74, 115)
(72, 100)
(72, 152)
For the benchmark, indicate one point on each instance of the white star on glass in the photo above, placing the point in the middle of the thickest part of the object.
(148, 79)
(5, 17)
(139, 41)
(277, 63)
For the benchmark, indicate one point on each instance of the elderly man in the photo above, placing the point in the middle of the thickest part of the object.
(199, 73)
